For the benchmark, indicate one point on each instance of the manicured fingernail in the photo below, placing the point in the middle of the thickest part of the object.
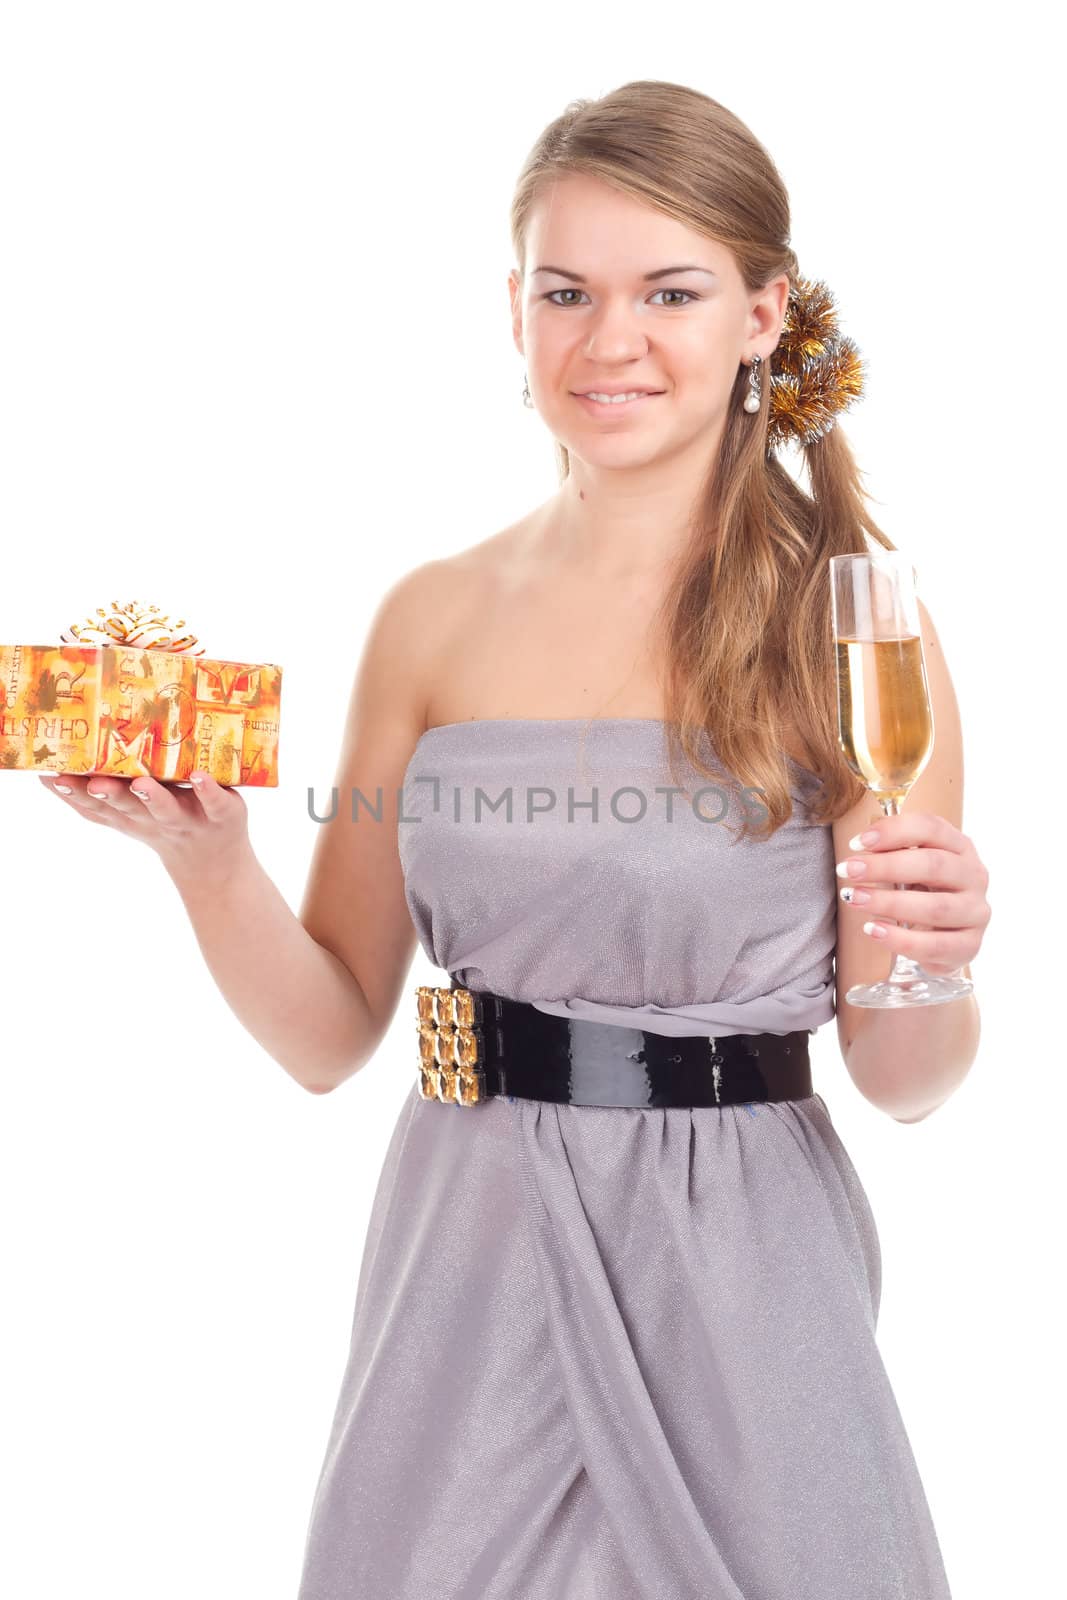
(140, 793)
(196, 777)
(97, 794)
(863, 840)
(851, 869)
(877, 930)
(64, 788)
(855, 897)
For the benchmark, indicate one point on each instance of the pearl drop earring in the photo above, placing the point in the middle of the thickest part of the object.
(527, 397)
(752, 398)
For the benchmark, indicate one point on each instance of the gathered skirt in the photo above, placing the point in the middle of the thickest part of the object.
(614, 1353)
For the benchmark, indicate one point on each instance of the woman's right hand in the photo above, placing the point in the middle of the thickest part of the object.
(202, 829)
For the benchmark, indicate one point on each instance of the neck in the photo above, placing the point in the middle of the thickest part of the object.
(619, 522)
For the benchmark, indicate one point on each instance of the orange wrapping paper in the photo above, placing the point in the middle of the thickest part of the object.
(121, 709)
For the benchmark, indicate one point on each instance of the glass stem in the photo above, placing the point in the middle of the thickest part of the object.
(904, 969)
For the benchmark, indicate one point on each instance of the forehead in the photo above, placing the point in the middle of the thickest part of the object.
(588, 226)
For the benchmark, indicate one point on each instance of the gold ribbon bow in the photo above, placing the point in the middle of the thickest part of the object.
(139, 627)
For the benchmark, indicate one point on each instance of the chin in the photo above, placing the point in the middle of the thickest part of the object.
(613, 452)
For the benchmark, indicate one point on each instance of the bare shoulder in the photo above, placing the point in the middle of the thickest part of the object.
(494, 561)
(419, 622)
(439, 600)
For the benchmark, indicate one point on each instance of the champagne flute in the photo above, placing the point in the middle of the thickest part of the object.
(885, 722)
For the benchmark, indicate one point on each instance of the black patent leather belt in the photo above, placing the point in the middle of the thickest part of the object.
(474, 1044)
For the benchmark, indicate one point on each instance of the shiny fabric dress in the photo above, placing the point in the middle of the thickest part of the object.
(615, 1353)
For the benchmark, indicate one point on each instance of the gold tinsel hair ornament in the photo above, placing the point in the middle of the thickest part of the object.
(816, 371)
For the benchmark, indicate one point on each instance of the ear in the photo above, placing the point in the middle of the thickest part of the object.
(515, 291)
(768, 307)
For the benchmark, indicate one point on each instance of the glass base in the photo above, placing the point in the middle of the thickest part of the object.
(920, 990)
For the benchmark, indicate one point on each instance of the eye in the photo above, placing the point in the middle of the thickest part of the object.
(552, 296)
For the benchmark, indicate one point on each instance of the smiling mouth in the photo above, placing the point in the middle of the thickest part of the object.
(611, 404)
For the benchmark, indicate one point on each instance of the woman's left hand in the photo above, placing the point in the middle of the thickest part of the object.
(945, 902)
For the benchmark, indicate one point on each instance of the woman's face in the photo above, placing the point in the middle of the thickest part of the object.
(609, 318)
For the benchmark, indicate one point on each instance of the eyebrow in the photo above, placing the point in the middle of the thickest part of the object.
(663, 272)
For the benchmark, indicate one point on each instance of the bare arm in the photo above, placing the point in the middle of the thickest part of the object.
(295, 997)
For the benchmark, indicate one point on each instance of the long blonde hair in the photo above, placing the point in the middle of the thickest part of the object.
(747, 616)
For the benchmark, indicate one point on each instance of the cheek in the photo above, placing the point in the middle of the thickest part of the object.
(707, 355)
(707, 376)
(550, 336)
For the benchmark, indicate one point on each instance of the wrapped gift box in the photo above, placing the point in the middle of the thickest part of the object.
(138, 704)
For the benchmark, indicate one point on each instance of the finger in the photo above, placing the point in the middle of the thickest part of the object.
(72, 796)
(55, 780)
(943, 948)
(217, 799)
(115, 794)
(911, 828)
(163, 804)
(941, 869)
(86, 794)
(936, 909)
(74, 791)
(64, 783)
(145, 803)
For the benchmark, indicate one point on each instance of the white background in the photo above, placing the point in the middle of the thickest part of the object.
(256, 362)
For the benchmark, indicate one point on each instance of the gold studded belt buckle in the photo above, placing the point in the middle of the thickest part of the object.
(450, 1038)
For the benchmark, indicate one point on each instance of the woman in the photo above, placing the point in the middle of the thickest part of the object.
(606, 1344)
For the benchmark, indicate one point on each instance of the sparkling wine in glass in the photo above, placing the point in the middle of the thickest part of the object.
(885, 723)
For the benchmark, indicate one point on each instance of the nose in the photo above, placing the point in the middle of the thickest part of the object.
(616, 334)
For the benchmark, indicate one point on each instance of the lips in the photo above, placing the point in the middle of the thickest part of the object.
(617, 408)
(584, 394)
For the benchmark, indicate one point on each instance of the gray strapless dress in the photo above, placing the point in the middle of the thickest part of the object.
(603, 1352)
